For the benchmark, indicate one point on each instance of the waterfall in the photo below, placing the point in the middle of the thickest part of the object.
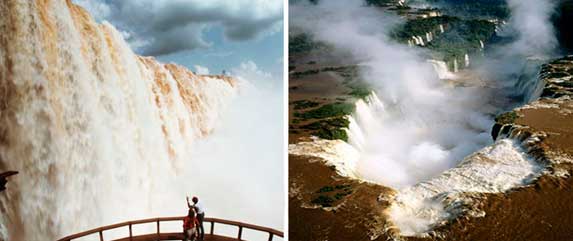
(420, 40)
(467, 60)
(429, 36)
(416, 40)
(442, 28)
(441, 69)
(337, 153)
(418, 207)
(365, 114)
(92, 128)
(355, 134)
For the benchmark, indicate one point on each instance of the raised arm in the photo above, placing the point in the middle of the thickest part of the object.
(188, 204)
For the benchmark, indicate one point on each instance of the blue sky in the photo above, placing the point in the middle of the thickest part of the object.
(216, 34)
(266, 53)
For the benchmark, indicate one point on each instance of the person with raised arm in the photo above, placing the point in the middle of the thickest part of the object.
(200, 210)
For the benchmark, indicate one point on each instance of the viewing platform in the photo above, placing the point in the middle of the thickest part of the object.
(209, 224)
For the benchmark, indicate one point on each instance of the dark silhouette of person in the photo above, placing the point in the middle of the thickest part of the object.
(200, 210)
(4, 180)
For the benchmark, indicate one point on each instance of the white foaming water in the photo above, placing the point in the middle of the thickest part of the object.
(494, 169)
(335, 152)
(418, 149)
(441, 69)
(467, 60)
(98, 134)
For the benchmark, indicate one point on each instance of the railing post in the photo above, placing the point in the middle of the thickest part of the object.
(212, 226)
(158, 230)
(270, 236)
(101, 235)
(240, 232)
(130, 233)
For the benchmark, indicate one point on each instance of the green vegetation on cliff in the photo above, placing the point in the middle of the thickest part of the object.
(304, 104)
(329, 121)
(420, 26)
(381, 3)
(461, 36)
(506, 118)
(304, 43)
(330, 129)
(337, 109)
(358, 88)
(329, 194)
(473, 8)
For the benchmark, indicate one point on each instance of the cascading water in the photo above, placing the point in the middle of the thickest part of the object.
(98, 134)
(441, 69)
(467, 60)
(421, 138)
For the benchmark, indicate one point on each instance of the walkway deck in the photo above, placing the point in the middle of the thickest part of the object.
(174, 236)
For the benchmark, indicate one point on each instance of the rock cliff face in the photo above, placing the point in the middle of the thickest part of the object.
(85, 120)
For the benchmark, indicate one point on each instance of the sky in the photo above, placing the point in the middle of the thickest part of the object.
(205, 36)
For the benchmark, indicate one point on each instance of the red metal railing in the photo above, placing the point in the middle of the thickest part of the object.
(239, 225)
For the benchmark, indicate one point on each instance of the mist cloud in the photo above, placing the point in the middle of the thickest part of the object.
(236, 171)
(514, 65)
(245, 149)
(201, 70)
(530, 21)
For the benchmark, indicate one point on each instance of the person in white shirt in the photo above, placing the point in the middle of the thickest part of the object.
(200, 210)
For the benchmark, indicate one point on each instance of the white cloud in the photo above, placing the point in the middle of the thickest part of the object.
(174, 25)
(202, 70)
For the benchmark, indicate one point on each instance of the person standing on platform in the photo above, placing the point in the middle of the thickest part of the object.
(200, 210)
